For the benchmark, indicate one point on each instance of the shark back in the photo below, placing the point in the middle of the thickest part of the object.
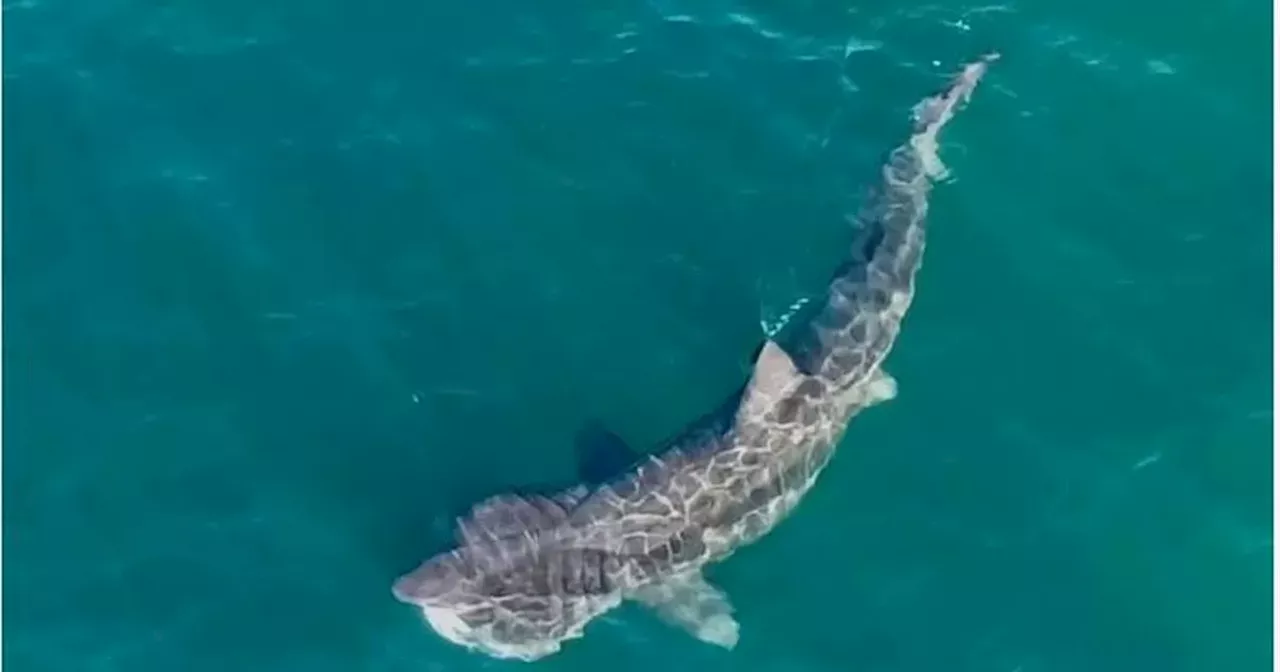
(724, 485)
(727, 481)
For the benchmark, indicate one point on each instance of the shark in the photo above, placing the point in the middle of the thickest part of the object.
(530, 571)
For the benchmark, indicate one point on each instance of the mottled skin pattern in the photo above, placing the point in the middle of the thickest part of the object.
(531, 572)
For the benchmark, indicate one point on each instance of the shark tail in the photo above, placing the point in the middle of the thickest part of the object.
(869, 295)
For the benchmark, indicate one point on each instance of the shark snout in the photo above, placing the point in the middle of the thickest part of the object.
(432, 582)
(405, 589)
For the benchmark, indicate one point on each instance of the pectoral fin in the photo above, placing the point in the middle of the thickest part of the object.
(878, 388)
(690, 603)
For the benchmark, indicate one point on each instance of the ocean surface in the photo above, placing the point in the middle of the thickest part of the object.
(288, 285)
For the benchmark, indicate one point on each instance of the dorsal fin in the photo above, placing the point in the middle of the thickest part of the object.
(774, 375)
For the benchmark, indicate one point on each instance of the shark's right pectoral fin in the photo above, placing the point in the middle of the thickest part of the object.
(690, 603)
(879, 387)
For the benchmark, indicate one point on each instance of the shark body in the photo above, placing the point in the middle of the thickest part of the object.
(530, 572)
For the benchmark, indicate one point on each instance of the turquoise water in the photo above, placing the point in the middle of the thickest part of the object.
(288, 285)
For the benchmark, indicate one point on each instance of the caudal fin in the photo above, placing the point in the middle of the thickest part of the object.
(932, 113)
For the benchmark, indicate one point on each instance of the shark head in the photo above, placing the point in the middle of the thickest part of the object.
(450, 591)
(500, 610)
(464, 604)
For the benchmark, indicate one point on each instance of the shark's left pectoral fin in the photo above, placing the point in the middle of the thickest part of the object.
(689, 602)
(601, 454)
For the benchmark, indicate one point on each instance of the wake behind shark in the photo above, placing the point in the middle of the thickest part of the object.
(530, 572)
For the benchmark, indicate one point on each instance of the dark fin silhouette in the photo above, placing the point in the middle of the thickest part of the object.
(601, 454)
